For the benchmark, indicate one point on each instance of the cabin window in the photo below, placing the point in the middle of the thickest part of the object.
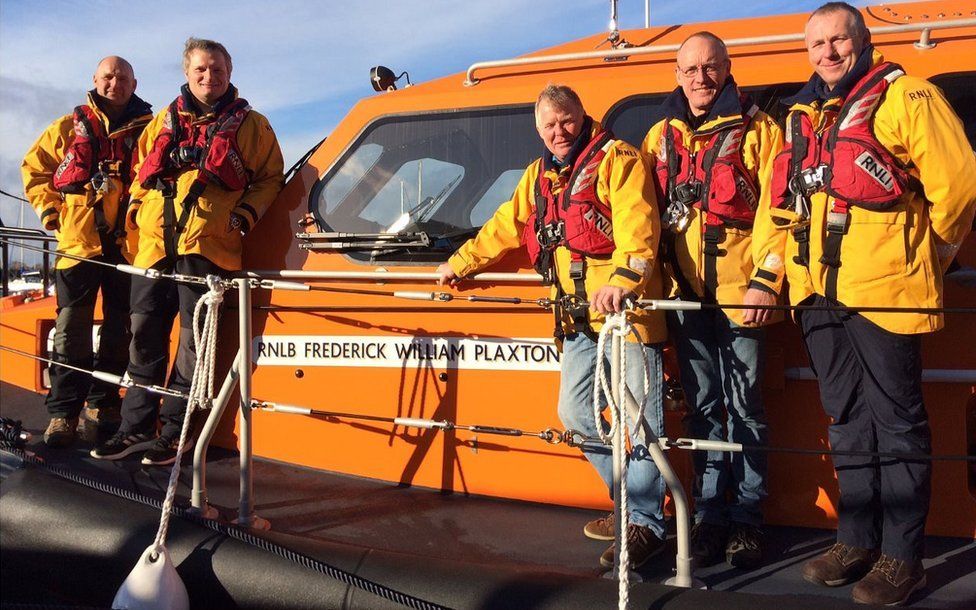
(439, 174)
(960, 90)
(631, 118)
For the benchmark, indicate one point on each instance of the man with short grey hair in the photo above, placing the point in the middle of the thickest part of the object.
(586, 213)
(873, 200)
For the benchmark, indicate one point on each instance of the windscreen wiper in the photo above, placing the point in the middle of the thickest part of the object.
(346, 242)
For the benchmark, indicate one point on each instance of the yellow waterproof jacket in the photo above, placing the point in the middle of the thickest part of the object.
(895, 258)
(206, 232)
(74, 214)
(736, 268)
(623, 185)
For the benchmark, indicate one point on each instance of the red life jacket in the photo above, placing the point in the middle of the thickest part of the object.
(849, 164)
(714, 179)
(575, 218)
(92, 155)
(208, 146)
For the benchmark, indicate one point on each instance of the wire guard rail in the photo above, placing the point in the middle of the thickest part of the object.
(621, 54)
(624, 407)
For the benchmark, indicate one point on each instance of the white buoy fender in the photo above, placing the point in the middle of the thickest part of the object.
(152, 585)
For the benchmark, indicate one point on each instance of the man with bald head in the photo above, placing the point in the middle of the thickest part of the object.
(712, 152)
(873, 198)
(77, 177)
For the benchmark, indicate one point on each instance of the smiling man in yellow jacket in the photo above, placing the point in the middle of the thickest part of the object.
(587, 215)
(209, 168)
(77, 176)
(713, 151)
(873, 195)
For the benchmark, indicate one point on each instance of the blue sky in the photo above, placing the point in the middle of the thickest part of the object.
(302, 63)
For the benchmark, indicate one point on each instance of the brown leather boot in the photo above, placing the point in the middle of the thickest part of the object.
(840, 565)
(61, 432)
(890, 583)
(600, 529)
(642, 544)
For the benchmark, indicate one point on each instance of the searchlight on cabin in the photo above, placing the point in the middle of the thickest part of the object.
(383, 79)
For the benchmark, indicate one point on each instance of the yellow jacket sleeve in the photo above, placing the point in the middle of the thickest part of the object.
(624, 184)
(262, 157)
(38, 167)
(930, 135)
(502, 232)
(768, 244)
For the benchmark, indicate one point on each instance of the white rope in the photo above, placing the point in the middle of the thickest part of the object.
(617, 435)
(201, 388)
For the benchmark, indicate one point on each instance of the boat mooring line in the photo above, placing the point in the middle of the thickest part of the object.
(242, 535)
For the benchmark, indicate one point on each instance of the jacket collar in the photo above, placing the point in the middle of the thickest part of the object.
(590, 127)
(190, 103)
(136, 109)
(728, 104)
(816, 89)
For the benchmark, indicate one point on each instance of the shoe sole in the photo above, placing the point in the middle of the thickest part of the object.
(133, 448)
(636, 566)
(830, 583)
(593, 536)
(167, 462)
(901, 602)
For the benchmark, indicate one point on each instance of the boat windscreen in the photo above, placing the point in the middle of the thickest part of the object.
(442, 174)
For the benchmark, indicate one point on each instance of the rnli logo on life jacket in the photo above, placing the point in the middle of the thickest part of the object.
(600, 222)
(745, 189)
(878, 172)
(64, 164)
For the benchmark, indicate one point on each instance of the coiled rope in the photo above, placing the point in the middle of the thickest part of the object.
(201, 389)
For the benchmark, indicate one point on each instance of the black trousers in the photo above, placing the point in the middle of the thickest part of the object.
(77, 289)
(871, 388)
(155, 304)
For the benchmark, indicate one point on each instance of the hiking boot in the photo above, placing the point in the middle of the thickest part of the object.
(840, 565)
(122, 444)
(163, 452)
(745, 546)
(98, 422)
(708, 543)
(61, 432)
(890, 582)
(642, 544)
(600, 529)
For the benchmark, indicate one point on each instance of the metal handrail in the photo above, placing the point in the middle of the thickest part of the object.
(924, 42)
(382, 276)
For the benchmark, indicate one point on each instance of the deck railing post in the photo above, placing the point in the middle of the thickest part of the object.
(198, 496)
(245, 515)
(45, 268)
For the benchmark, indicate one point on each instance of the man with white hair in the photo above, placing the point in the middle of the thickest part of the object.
(586, 213)
(77, 177)
(874, 194)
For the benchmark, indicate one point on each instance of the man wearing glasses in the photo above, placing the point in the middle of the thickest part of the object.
(712, 151)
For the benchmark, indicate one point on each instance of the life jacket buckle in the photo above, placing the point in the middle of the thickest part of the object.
(686, 193)
(100, 182)
(809, 180)
(837, 222)
(186, 155)
(677, 217)
(576, 270)
(552, 234)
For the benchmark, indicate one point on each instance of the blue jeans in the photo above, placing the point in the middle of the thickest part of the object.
(645, 487)
(721, 374)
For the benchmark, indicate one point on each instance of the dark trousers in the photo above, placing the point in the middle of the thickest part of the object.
(77, 289)
(155, 304)
(871, 388)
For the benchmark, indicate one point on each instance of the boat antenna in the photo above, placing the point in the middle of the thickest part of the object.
(613, 35)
